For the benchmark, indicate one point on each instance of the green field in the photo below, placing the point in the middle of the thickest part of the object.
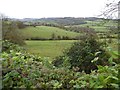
(48, 48)
(46, 32)
(100, 28)
(113, 44)
(98, 25)
(53, 48)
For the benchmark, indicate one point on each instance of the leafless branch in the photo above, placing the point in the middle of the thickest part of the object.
(110, 10)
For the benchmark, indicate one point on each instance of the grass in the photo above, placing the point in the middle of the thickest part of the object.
(100, 28)
(97, 25)
(53, 48)
(46, 32)
(48, 48)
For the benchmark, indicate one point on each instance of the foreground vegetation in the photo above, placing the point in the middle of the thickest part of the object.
(23, 70)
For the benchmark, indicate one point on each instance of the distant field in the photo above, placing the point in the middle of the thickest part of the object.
(100, 28)
(101, 23)
(113, 44)
(98, 25)
(48, 48)
(46, 32)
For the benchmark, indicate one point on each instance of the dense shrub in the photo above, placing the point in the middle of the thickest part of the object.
(83, 52)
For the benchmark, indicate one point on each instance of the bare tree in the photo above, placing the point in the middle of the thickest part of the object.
(111, 9)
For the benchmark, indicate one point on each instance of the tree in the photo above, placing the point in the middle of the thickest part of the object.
(20, 24)
(111, 9)
(83, 52)
(10, 32)
(59, 37)
(53, 36)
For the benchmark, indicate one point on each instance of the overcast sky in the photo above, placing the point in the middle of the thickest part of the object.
(51, 8)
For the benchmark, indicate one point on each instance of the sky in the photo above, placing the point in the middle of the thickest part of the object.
(51, 8)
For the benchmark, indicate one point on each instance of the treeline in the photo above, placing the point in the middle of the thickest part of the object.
(46, 24)
(65, 21)
(54, 37)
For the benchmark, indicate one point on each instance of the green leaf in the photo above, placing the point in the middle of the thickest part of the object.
(100, 86)
(95, 59)
(114, 85)
(76, 86)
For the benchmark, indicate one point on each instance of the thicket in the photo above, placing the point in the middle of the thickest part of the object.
(82, 54)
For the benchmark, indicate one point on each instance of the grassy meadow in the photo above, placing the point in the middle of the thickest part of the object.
(98, 25)
(54, 48)
(48, 48)
(46, 32)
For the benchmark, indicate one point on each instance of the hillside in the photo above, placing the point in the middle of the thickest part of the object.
(46, 32)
